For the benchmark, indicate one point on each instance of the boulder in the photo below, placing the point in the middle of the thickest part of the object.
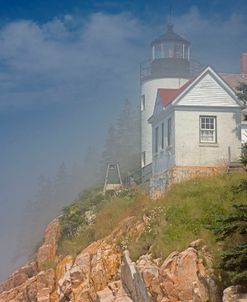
(234, 294)
(132, 280)
(184, 277)
(149, 270)
(22, 293)
(19, 277)
(113, 293)
(48, 250)
(93, 269)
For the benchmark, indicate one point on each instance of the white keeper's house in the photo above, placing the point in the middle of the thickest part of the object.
(190, 125)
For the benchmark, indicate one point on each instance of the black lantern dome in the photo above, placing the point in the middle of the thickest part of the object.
(170, 55)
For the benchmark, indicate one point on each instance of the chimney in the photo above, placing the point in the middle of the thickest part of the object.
(244, 63)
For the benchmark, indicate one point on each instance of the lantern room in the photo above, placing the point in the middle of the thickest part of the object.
(170, 55)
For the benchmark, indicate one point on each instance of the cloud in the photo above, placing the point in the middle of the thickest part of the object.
(84, 59)
(65, 59)
(217, 40)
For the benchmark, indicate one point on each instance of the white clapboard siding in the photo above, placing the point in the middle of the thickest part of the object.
(158, 108)
(207, 92)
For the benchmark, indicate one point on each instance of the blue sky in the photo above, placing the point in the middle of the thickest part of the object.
(67, 66)
(44, 10)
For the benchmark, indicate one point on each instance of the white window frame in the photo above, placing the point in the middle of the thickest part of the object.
(158, 51)
(143, 158)
(169, 132)
(156, 140)
(208, 129)
(143, 102)
(162, 136)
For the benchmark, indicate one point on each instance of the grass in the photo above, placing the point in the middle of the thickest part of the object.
(110, 210)
(179, 217)
(187, 209)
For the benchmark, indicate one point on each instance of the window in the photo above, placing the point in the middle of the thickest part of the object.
(162, 136)
(178, 48)
(158, 51)
(143, 102)
(169, 132)
(156, 143)
(168, 49)
(143, 159)
(207, 129)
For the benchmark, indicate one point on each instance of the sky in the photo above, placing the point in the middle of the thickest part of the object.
(67, 66)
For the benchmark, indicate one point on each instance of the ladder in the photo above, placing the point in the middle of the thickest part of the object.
(112, 168)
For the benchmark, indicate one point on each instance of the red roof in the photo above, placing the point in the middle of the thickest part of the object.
(168, 95)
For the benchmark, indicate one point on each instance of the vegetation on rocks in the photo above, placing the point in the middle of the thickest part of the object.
(92, 216)
(182, 215)
(96, 229)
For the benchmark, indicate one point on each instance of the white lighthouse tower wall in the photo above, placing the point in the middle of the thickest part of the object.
(149, 90)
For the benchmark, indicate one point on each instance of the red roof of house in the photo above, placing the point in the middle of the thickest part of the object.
(168, 95)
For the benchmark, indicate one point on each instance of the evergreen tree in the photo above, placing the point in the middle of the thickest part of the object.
(77, 177)
(232, 230)
(90, 167)
(242, 93)
(36, 215)
(123, 142)
(128, 139)
(109, 153)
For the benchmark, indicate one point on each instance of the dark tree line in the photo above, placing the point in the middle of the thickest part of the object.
(54, 193)
(122, 142)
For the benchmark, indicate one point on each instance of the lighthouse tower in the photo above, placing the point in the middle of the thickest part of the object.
(169, 68)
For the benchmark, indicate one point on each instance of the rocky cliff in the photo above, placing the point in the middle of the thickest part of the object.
(104, 273)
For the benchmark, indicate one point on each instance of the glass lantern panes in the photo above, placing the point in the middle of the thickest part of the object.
(158, 51)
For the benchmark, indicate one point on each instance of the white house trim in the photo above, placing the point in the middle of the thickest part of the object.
(216, 77)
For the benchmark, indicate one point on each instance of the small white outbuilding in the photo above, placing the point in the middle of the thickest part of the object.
(195, 129)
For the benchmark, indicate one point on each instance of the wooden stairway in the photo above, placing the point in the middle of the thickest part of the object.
(234, 167)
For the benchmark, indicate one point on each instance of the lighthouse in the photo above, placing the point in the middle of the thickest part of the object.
(169, 68)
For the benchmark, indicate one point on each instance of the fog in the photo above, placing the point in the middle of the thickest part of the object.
(62, 83)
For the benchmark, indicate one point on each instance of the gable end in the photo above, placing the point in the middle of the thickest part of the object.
(208, 89)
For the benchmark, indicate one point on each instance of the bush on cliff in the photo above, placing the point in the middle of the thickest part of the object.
(231, 229)
(92, 216)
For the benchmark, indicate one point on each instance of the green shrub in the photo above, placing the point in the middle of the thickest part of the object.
(243, 157)
(231, 229)
(48, 264)
(110, 209)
